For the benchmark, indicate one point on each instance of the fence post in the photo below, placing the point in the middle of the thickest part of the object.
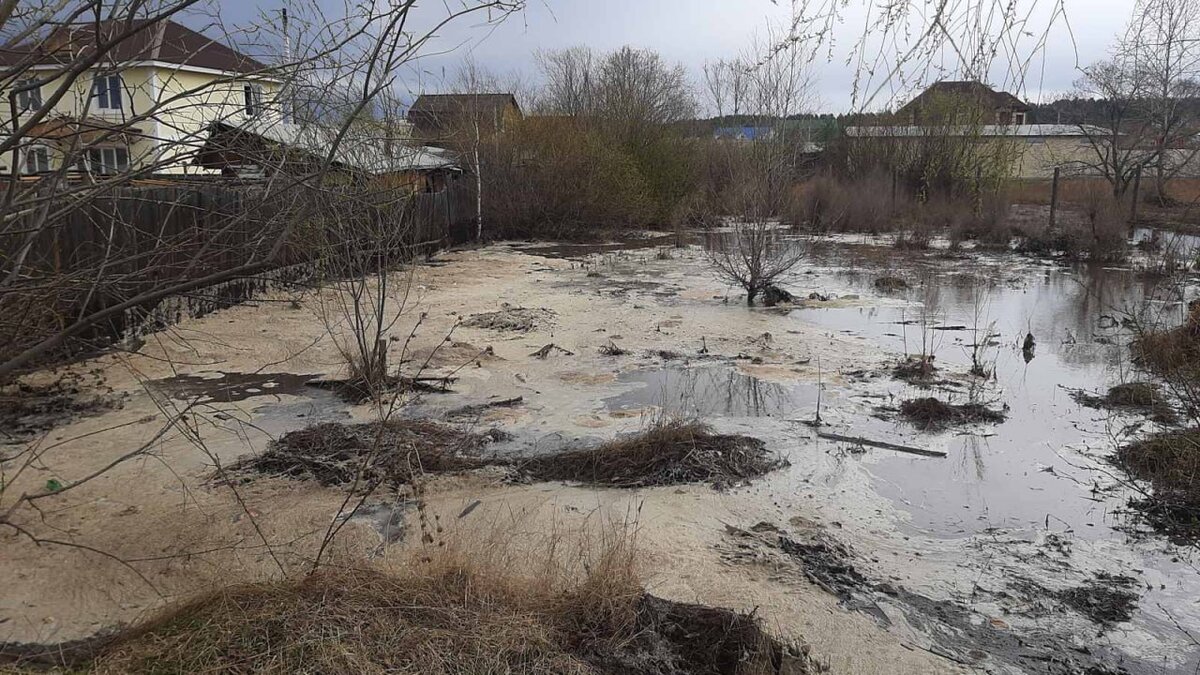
(1137, 190)
(1054, 198)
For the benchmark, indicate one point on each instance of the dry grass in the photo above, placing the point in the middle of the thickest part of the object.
(915, 369)
(1144, 397)
(366, 455)
(1170, 463)
(1173, 354)
(669, 452)
(466, 607)
(929, 414)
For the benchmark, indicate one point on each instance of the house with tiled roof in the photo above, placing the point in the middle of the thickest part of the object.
(144, 103)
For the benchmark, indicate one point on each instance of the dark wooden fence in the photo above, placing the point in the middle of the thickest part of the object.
(119, 244)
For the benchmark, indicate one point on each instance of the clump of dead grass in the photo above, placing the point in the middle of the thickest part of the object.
(1170, 464)
(669, 452)
(915, 369)
(1144, 397)
(400, 451)
(456, 608)
(367, 455)
(931, 414)
(1173, 354)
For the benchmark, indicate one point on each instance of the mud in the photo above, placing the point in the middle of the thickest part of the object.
(953, 630)
(28, 410)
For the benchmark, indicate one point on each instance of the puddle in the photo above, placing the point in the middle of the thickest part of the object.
(708, 391)
(220, 387)
(583, 250)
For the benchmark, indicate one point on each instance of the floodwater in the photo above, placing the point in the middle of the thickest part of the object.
(1029, 503)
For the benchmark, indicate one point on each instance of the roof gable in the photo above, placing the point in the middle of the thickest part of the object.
(967, 90)
(437, 104)
(148, 40)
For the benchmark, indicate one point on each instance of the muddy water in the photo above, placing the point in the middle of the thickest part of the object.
(1017, 511)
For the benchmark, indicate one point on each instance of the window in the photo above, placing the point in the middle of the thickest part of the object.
(30, 99)
(253, 94)
(106, 92)
(104, 161)
(1019, 118)
(37, 160)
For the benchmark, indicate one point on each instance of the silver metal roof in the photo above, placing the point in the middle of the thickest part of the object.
(986, 130)
(364, 149)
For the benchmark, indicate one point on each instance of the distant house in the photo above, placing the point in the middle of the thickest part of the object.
(963, 102)
(745, 133)
(443, 118)
(1035, 149)
(146, 105)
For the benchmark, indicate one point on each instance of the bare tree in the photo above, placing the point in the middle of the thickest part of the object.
(1163, 44)
(289, 135)
(757, 256)
(570, 81)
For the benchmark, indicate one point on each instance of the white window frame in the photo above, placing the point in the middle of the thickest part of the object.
(40, 156)
(106, 88)
(252, 100)
(30, 99)
(106, 160)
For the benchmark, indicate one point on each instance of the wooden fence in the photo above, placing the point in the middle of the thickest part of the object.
(121, 244)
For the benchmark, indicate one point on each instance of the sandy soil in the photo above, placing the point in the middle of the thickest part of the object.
(158, 528)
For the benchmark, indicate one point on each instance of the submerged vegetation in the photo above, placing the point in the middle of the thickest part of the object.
(931, 414)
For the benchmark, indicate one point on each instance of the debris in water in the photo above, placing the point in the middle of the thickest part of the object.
(668, 453)
(930, 413)
(915, 369)
(858, 440)
(888, 284)
(774, 295)
(1143, 397)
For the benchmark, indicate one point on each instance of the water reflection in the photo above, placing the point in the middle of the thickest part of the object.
(708, 391)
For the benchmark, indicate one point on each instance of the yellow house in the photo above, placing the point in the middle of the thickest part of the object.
(1030, 150)
(145, 104)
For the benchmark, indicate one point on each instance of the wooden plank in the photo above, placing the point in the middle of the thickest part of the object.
(859, 440)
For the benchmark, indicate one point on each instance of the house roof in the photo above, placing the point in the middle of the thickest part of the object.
(368, 151)
(441, 104)
(969, 90)
(986, 130)
(140, 40)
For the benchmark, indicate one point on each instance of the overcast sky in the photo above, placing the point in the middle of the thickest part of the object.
(693, 31)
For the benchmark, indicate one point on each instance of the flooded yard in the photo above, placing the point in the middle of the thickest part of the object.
(1000, 544)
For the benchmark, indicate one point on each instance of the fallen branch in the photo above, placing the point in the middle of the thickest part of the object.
(478, 408)
(545, 351)
(859, 440)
